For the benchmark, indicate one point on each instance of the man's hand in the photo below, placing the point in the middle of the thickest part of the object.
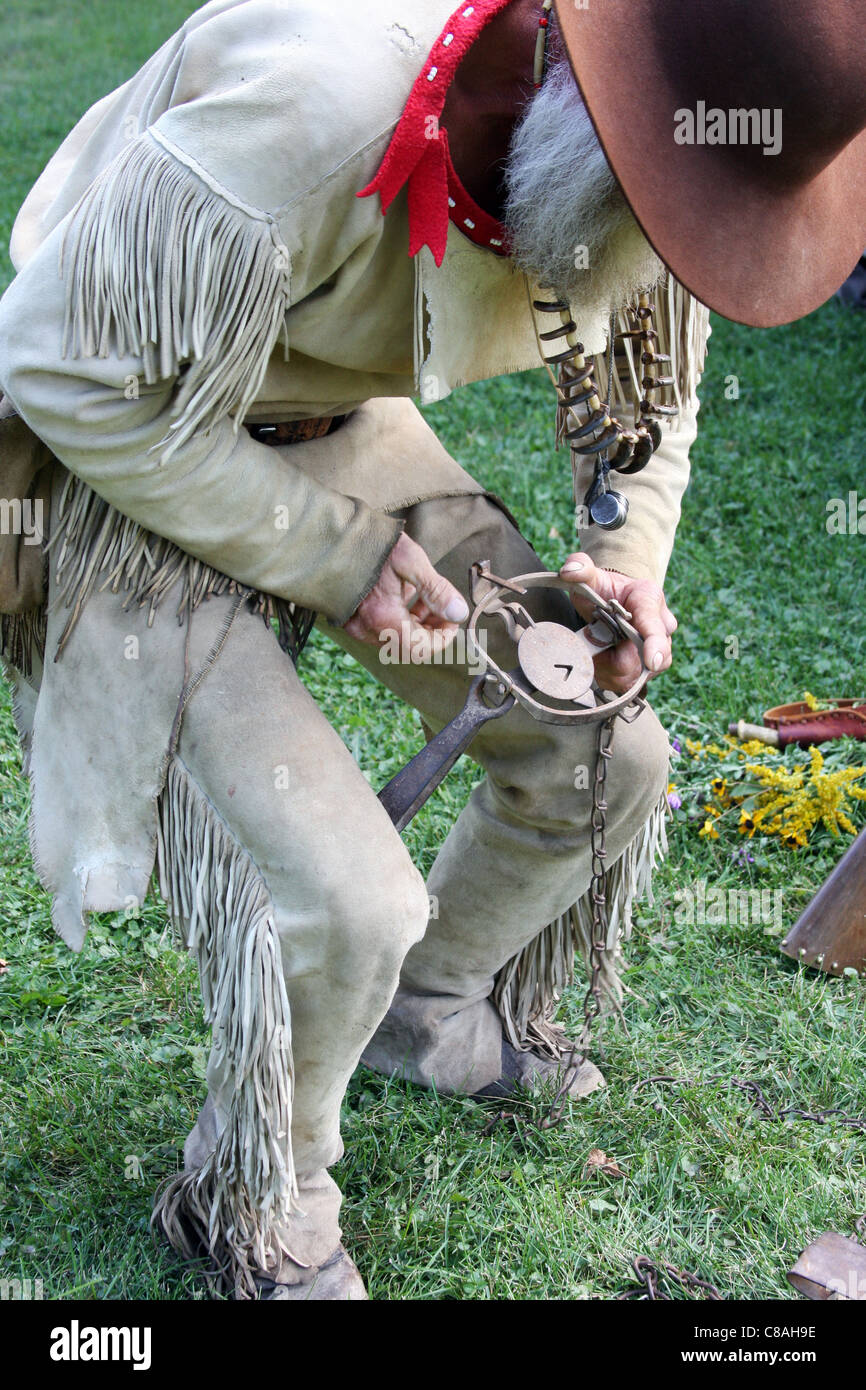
(618, 668)
(412, 599)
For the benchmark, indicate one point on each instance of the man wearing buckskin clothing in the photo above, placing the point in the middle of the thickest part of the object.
(232, 279)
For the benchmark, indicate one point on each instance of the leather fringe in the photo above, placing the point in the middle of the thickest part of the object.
(163, 264)
(93, 540)
(22, 638)
(529, 987)
(232, 1207)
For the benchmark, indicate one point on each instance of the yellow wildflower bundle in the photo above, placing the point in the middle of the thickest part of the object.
(762, 791)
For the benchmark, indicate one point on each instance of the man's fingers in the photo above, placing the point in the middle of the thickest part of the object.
(645, 601)
(416, 641)
(580, 569)
(356, 628)
(618, 668)
(420, 613)
(432, 589)
(412, 601)
(647, 617)
(427, 642)
(417, 600)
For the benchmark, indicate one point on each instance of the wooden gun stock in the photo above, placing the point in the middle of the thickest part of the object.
(831, 933)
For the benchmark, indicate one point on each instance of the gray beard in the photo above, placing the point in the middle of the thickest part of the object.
(564, 208)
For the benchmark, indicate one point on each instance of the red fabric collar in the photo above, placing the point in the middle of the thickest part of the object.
(418, 154)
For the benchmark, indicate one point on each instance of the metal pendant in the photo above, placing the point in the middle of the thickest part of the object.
(609, 510)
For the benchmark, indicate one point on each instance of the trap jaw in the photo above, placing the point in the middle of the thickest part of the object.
(554, 679)
(554, 662)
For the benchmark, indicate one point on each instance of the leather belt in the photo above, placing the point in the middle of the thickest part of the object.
(296, 431)
(300, 620)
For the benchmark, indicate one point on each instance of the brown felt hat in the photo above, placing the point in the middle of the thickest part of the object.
(737, 130)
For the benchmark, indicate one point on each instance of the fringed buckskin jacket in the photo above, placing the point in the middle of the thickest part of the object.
(196, 256)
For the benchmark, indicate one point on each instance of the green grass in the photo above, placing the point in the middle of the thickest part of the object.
(103, 1053)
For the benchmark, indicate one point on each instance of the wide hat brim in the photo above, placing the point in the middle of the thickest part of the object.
(761, 245)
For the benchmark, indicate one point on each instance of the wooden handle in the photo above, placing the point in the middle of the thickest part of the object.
(744, 731)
